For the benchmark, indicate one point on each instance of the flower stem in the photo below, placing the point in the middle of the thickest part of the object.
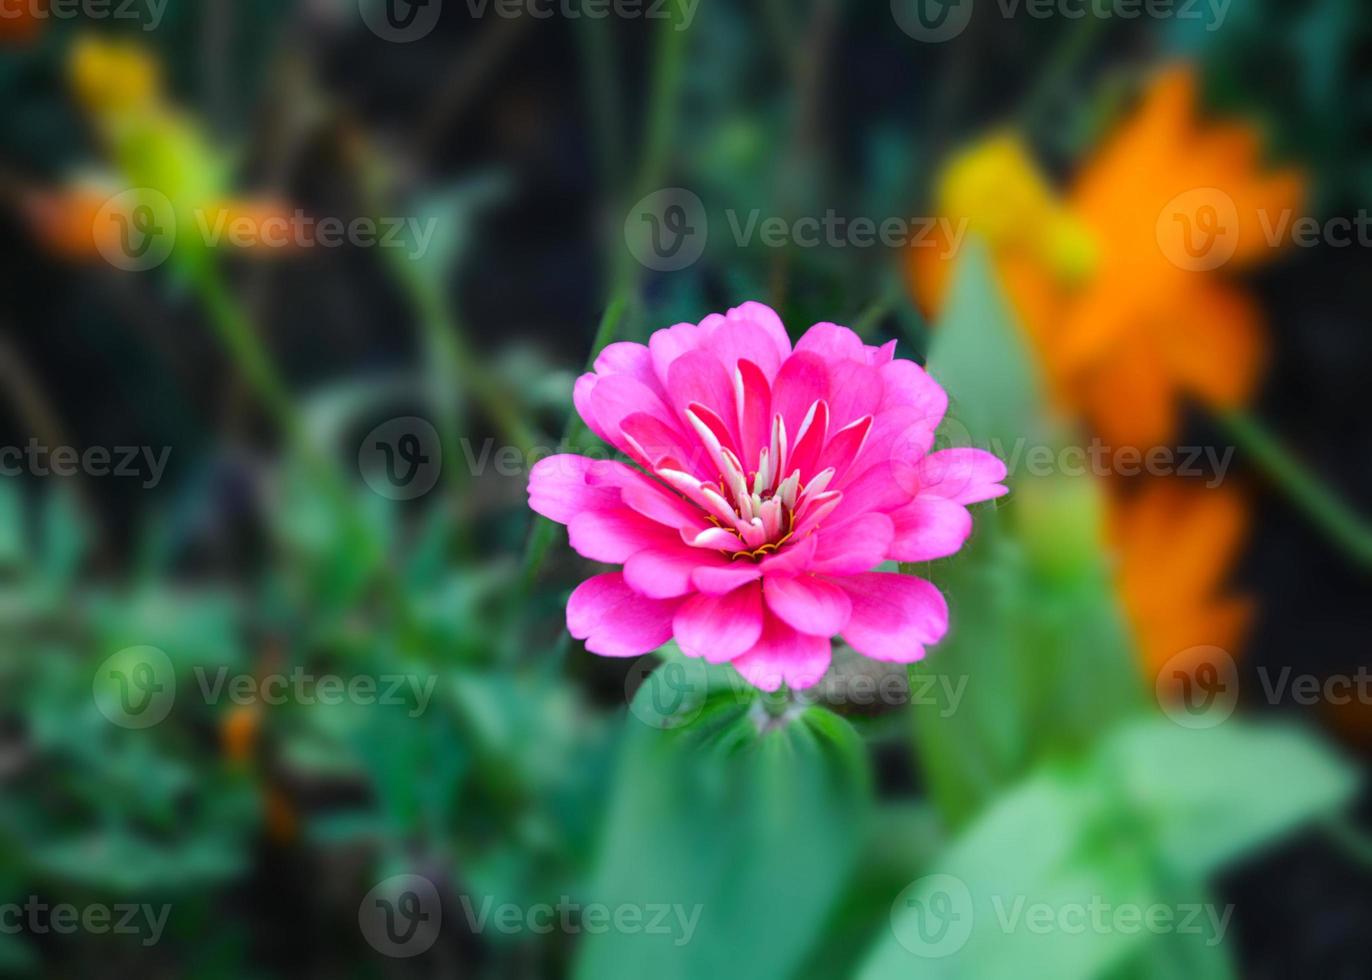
(666, 83)
(1340, 523)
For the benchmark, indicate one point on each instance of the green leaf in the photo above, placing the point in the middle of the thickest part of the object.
(1047, 881)
(1209, 795)
(979, 355)
(1035, 638)
(716, 820)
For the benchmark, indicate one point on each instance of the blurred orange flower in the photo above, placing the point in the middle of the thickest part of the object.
(1116, 284)
(21, 20)
(238, 733)
(83, 222)
(1175, 542)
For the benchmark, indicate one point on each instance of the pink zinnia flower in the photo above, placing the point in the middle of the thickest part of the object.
(772, 482)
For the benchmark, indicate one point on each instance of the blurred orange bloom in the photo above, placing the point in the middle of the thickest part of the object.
(83, 222)
(1175, 542)
(21, 20)
(1118, 284)
(238, 732)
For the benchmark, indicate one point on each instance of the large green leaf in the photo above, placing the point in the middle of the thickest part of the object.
(717, 820)
(1057, 877)
(1035, 636)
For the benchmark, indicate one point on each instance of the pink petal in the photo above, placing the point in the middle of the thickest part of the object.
(713, 537)
(665, 346)
(807, 443)
(651, 440)
(581, 398)
(617, 396)
(877, 356)
(844, 448)
(558, 488)
(754, 410)
(719, 579)
(719, 627)
(612, 536)
(874, 490)
(833, 343)
(929, 527)
(627, 358)
(783, 655)
(860, 546)
(761, 321)
(854, 391)
(615, 621)
(894, 616)
(698, 377)
(906, 385)
(794, 557)
(965, 475)
(665, 572)
(900, 435)
(809, 604)
(802, 381)
(654, 501)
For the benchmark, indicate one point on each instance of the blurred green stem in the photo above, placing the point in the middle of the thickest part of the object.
(668, 65)
(1075, 45)
(237, 334)
(1340, 523)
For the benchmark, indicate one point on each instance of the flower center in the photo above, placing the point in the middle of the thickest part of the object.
(761, 507)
